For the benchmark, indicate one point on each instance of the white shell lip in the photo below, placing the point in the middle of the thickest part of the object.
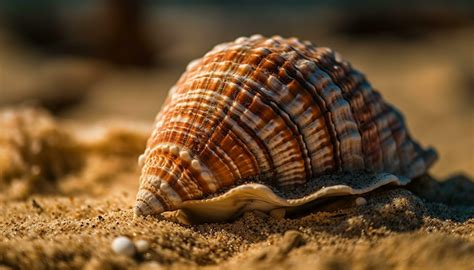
(253, 196)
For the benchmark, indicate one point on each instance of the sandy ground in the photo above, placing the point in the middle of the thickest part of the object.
(67, 184)
(68, 191)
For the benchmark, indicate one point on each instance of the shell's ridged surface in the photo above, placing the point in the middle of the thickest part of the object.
(280, 110)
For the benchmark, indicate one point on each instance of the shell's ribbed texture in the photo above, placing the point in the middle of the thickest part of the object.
(280, 110)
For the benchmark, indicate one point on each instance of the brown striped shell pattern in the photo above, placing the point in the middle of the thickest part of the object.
(272, 123)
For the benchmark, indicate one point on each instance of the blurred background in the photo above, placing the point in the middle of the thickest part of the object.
(116, 59)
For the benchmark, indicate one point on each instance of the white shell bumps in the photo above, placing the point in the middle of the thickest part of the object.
(270, 123)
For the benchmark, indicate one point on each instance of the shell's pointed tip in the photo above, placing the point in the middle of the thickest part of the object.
(147, 204)
(137, 211)
(141, 210)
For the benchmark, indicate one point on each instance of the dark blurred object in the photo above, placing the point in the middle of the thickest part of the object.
(34, 22)
(119, 35)
(454, 190)
(468, 93)
(56, 84)
(402, 23)
(112, 30)
(62, 84)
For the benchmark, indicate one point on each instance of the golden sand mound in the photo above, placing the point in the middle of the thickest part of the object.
(66, 191)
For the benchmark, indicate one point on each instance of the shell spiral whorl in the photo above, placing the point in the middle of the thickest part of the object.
(278, 111)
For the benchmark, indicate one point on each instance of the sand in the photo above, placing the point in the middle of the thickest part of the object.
(67, 191)
(68, 184)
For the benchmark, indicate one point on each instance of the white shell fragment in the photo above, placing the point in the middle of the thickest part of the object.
(122, 245)
(262, 124)
(360, 201)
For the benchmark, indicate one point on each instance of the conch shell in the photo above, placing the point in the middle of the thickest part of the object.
(269, 123)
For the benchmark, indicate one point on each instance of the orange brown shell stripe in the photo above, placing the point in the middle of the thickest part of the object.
(270, 108)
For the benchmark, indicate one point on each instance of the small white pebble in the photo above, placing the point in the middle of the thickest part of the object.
(142, 245)
(361, 201)
(122, 245)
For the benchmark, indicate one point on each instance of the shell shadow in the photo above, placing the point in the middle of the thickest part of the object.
(448, 199)
(387, 209)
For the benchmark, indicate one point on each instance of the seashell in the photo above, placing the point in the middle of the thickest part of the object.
(272, 123)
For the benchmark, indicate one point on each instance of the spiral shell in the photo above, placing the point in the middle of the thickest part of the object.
(259, 119)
